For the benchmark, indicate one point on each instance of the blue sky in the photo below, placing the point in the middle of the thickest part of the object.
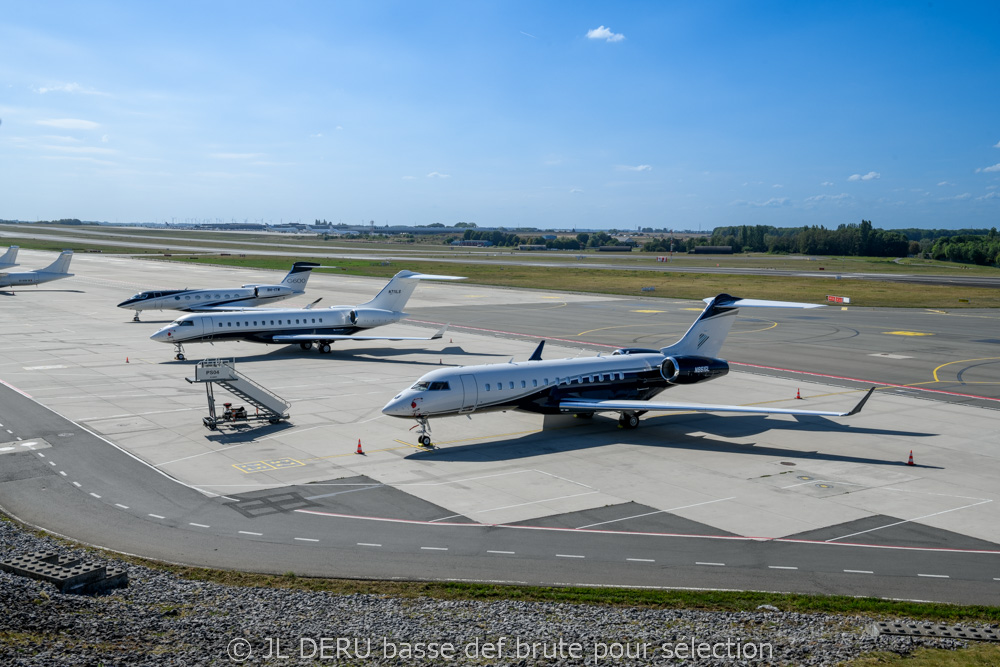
(584, 115)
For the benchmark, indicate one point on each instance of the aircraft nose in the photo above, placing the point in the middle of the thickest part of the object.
(125, 303)
(163, 336)
(400, 406)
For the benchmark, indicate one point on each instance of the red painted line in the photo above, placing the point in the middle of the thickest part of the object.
(626, 533)
(10, 386)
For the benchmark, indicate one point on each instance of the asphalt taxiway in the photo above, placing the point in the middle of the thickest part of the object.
(105, 444)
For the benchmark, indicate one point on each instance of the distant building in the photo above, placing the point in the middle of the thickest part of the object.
(532, 247)
(614, 248)
(473, 244)
(713, 250)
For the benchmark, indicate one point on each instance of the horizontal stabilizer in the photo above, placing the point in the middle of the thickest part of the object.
(572, 405)
(726, 301)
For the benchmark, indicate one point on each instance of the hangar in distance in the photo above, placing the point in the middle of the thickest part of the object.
(227, 298)
(306, 326)
(623, 382)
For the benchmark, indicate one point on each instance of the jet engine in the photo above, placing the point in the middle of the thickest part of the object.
(270, 290)
(372, 317)
(688, 370)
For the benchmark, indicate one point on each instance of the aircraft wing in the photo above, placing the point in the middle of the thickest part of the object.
(312, 338)
(571, 405)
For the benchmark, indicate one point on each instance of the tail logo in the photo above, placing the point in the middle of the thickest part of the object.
(702, 339)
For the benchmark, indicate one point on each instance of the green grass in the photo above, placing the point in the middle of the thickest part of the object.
(977, 655)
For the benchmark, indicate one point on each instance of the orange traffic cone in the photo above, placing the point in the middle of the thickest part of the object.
(910, 462)
(798, 395)
(126, 360)
(360, 451)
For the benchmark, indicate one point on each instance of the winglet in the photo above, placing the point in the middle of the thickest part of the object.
(861, 403)
(313, 303)
(537, 354)
(440, 332)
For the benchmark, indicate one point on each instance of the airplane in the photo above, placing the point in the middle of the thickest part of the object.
(54, 271)
(306, 326)
(623, 382)
(197, 300)
(9, 258)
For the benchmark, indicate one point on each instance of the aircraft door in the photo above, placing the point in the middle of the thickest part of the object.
(209, 331)
(470, 394)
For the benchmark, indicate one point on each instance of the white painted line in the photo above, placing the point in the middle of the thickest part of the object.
(198, 525)
(368, 544)
(996, 578)
(157, 516)
(715, 564)
(29, 444)
(510, 553)
(533, 502)
(890, 525)
(247, 532)
(77, 484)
(62, 472)
(52, 463)
(639, 516)
(859, 571)
(435, 548)
(569, 556)
(935, 576)
(124, 507)
(19, 438)
(9, 431)
(781, 567)
(640, 560)
(94, 494)
(306, 539)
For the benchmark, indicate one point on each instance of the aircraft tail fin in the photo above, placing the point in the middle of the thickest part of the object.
(705, 337)
(61, 265)
(397, 292)
(10, 257)
(299, 276)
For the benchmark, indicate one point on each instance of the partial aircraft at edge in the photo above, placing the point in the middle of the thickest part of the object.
(9, 258)
(234, 298)
(57, 270)
(622, 382)
(306, 326)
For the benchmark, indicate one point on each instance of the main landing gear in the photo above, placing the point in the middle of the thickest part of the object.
(424, 434)
(178, 348)
(628, 420)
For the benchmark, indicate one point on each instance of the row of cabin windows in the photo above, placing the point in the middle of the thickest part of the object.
(603, 377)
(198, 297)
(246, 323)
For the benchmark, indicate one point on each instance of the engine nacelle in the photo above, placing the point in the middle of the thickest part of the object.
(372, 317)
(688, 370)
(270, 291)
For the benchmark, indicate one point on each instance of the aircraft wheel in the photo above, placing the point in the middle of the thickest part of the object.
(425, 440)
(306, 346)
(628, 421)
(325, 348)
(179, 357)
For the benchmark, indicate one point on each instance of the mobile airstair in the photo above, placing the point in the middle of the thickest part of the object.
(267, 405)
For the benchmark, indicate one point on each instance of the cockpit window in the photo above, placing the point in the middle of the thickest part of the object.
(421, 386)
(187, 323)
(439, 386)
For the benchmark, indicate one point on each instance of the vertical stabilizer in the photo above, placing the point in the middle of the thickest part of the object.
(61, 265)
(9, 258)
(299, 276)
(397, 292)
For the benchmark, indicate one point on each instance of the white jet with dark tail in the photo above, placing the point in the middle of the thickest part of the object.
(623, 382)
(306, 326)
(57, 270)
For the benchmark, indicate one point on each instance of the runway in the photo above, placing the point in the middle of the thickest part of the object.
(812, 505)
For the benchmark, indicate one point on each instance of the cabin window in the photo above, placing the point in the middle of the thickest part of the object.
(546, 380)
(177, 298)
(523, 384)
(487, 386)
(221, 325)
(229, 323)
(255, 322)
(216, 296)
(187, 298)
(197, 296)
(296, 320)
(534, 383)
(499, 386)
(237, 324)
(227, 296)
(511, 385)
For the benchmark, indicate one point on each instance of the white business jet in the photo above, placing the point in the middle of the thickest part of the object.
(9, 258)
(234, 298)
(306, 326)
(623, 382)
(57, 270)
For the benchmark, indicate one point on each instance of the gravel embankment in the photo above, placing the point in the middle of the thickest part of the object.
(163, 620)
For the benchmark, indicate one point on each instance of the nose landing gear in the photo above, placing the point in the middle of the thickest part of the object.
(424, 434)
(178, 348)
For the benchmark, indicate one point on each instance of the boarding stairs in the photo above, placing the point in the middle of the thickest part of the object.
(267, 405)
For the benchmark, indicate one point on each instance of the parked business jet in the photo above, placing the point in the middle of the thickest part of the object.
(54, 271)
(9, 258)
(622, 382)
(306, 326)
(233, 298)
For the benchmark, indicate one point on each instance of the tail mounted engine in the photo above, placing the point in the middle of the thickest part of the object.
(372, 317)
(689, 370)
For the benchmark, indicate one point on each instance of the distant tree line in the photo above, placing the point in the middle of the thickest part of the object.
(853, 239)
(969, 249)
(503, 238)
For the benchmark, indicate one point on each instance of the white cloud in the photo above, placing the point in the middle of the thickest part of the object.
(437, 174)
(995, 167)
(409, 178)
(69, 123)
(773, 202)
(989, 195)
(605, 34)
(528, 34)
(944, 183)
(91, 160)
(574, 191)
(318, 135)
(821, 198)
(68, 88)
(827, 184)
(961, 197)
(996, 145)
(638, 167)
(870, 176)
(777, 185)
(235, 156)
(81, 149)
